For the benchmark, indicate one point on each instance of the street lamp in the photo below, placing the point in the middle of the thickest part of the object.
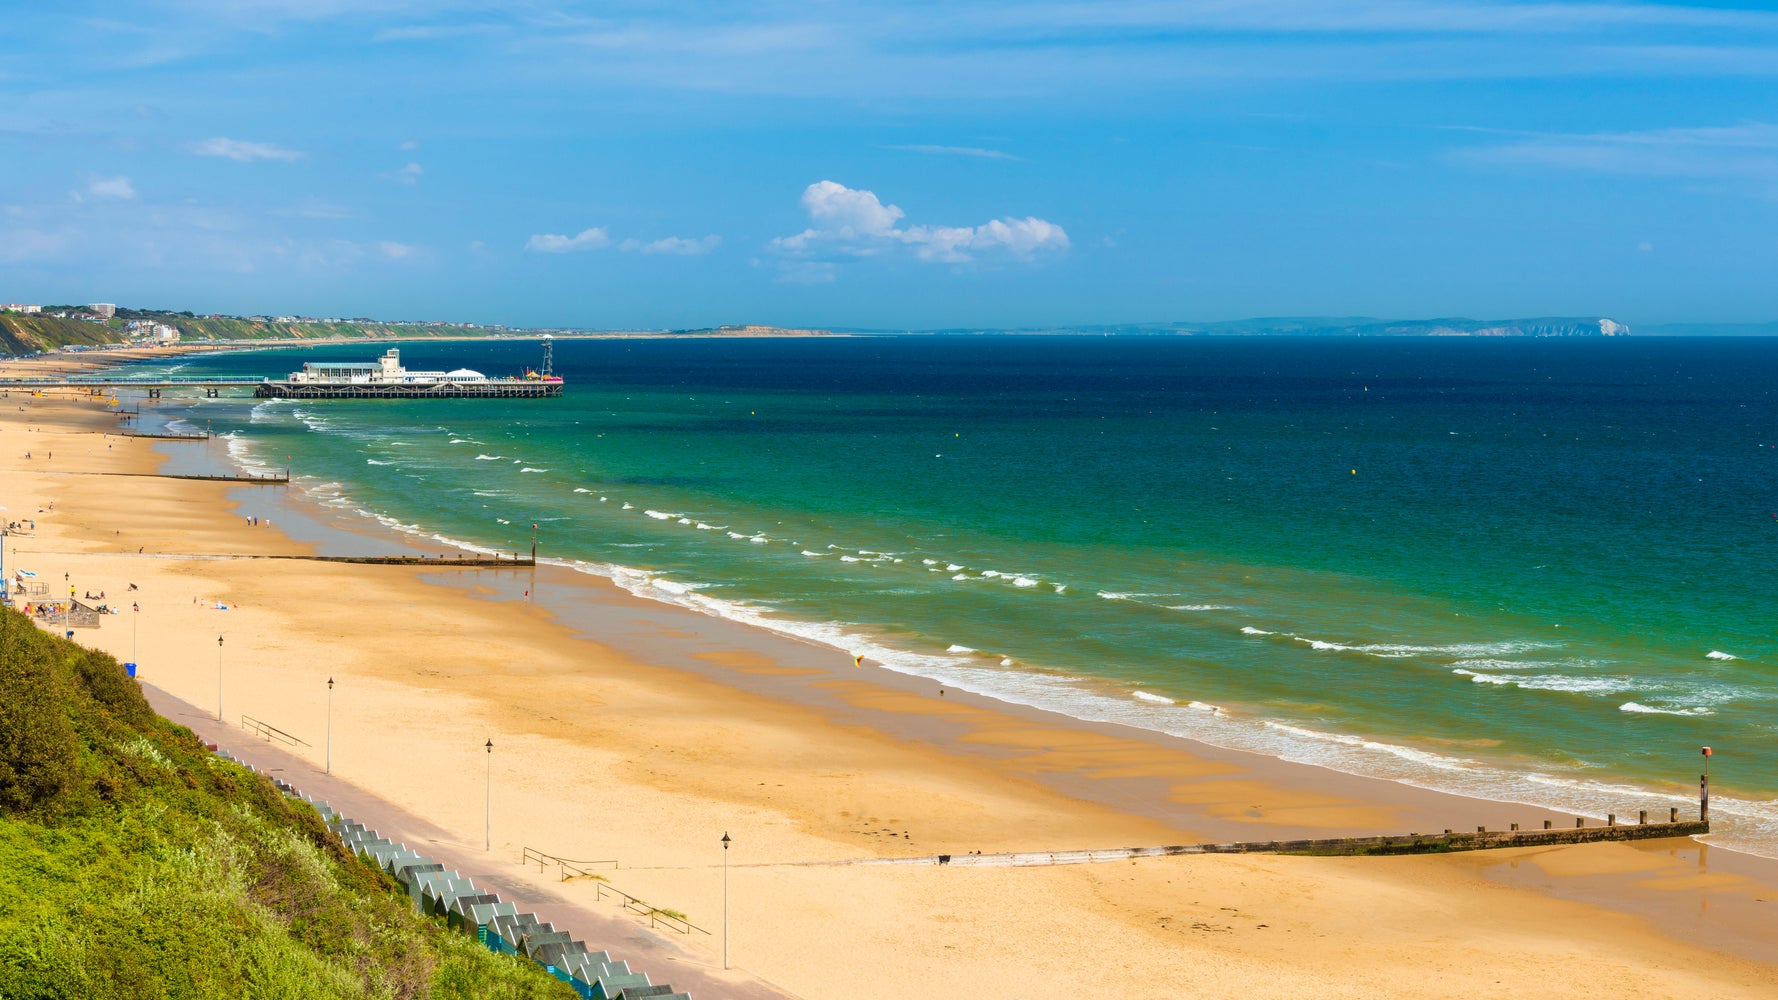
(219, 678)
(725, 843)
(488, 837)
(330, 725)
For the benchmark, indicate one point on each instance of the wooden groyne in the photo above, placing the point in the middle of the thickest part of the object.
(436, 562)
(167, 437)
(246, 479)
(1448, 842)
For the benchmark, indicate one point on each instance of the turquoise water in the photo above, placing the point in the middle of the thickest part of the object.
(1537, 571)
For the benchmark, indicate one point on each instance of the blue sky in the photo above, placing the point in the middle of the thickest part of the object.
(893, 165)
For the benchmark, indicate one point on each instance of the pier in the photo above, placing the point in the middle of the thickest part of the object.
(153, 386)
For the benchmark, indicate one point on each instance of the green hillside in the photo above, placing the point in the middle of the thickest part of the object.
(134, 864)
(22, 334)
(28, 334)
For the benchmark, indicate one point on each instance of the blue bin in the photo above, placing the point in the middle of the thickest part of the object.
(130, 669)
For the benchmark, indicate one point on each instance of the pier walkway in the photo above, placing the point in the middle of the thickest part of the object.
(153, 386)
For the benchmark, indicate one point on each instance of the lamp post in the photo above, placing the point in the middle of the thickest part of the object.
(725, 843)
(330, 725)
(488, 836)
(67, 633)
(219, 678)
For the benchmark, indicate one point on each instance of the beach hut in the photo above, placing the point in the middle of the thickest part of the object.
(479, 919)
(543, 947)
(457, 910)
(437, 891)
(613, 987)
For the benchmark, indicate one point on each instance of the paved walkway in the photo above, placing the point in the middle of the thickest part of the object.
(623, 938)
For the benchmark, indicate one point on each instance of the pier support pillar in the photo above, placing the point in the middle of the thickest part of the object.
(1547, 824)
(1642, 818)
(1580, 821)
(1673, 814)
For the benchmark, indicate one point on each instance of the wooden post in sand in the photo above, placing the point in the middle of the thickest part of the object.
(1704, 790)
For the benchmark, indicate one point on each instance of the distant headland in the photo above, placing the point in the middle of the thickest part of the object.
(31, 329)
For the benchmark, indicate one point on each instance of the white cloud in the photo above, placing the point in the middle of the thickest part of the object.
(409, 174)
(113, 187)
(674, 245)
(242, 150)
(395, 251)
(408, 145)
(855, 223)
(1646, 247)
(586, 239)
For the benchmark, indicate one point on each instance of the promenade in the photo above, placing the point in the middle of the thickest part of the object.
(623, 936)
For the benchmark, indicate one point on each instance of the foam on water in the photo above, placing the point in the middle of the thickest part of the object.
(1155, 698)
(1717, 654)
(1636, 708)
(1551, 682)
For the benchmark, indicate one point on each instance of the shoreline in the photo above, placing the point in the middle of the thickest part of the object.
(1087, 702)
(1045, 779)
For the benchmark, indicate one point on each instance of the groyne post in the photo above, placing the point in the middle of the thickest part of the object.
(1704, 789)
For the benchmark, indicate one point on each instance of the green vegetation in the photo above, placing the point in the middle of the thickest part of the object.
(134, 864)
(22, 334)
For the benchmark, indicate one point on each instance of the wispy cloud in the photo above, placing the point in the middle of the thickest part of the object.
(395, 251)
(975, 151)
(586, 239)
(112, 187)
(242, 150)
(1746, 153)
(314, 208)
(673, 245)
(850, 222)
(409, 174)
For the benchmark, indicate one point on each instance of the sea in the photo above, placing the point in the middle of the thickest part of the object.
(1527, 570)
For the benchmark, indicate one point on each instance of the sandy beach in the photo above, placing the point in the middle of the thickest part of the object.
(642, 734)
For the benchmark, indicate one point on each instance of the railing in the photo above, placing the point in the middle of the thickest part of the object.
(565, 869)
(657, 917)
(269, 732)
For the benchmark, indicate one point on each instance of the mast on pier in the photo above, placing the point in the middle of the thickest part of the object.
(549, 344)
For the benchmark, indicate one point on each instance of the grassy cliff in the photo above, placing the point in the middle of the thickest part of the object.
(134, 864)
(22, 334)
